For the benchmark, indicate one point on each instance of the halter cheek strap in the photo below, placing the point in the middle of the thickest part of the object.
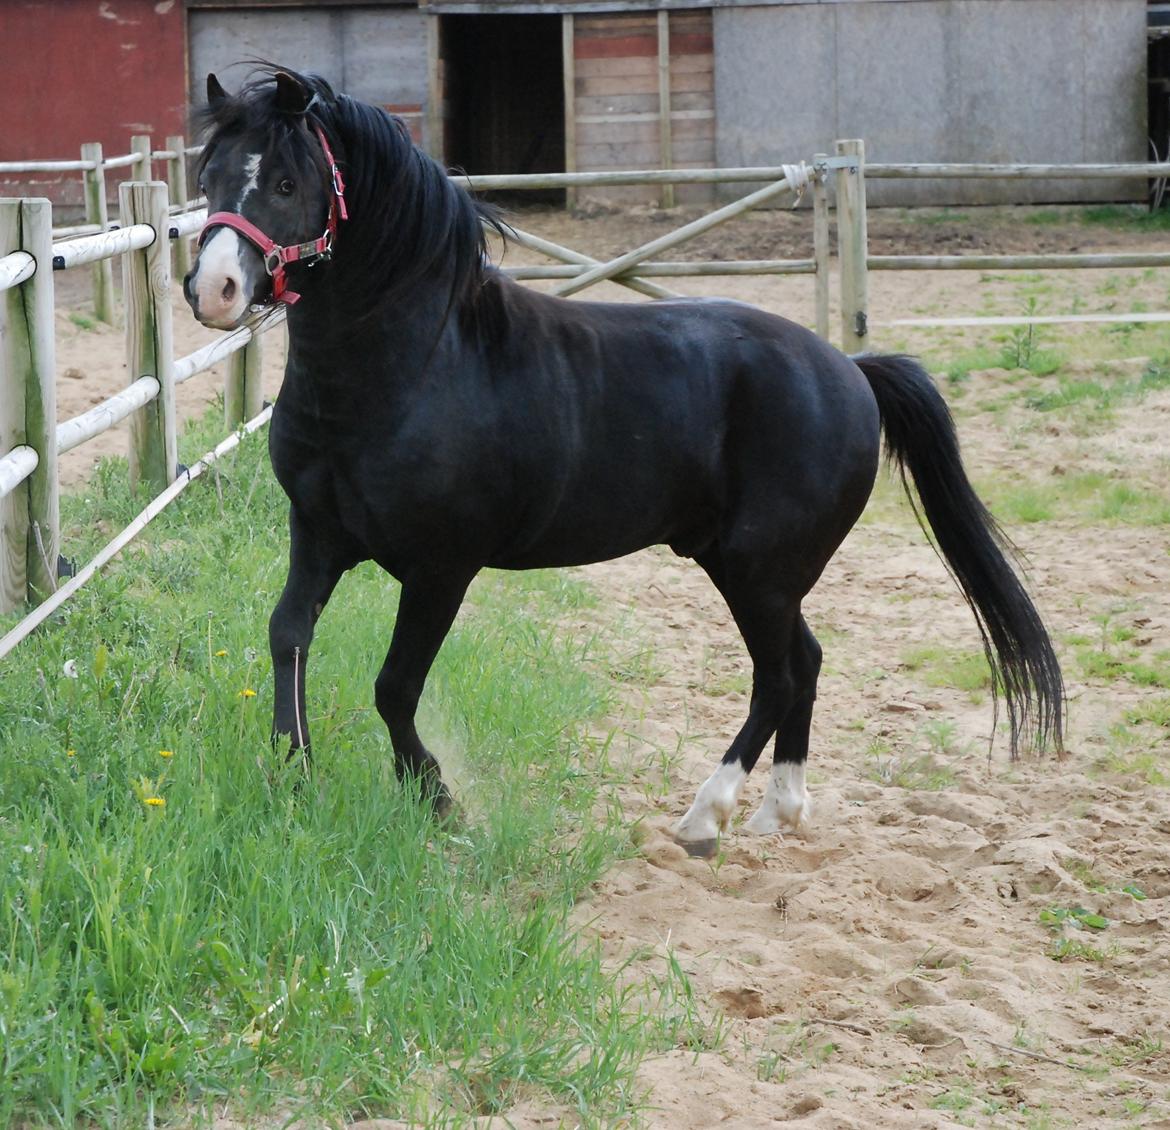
(276, 255)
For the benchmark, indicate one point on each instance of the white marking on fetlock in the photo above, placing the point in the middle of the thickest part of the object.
(714, 805)
(786, 803)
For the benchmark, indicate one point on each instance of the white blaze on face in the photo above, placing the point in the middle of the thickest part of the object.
(713, 808)
(252, 181)
(785, 804)
(218, 283)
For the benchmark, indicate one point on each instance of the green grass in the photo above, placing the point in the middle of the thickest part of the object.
(1091, 497)
(289, 946)
(950, 667)
(1128, 217)
(1101, 394)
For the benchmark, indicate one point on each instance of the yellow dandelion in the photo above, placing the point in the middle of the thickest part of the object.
(154, 801)
(221, 653)
(166, 753)
(71, 753)
(247, 692)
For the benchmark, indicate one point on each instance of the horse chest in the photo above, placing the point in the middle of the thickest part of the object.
(398, 492)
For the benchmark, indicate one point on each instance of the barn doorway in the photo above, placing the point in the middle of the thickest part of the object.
(503, 79)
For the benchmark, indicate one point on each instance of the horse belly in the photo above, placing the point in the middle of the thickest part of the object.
(606, 515)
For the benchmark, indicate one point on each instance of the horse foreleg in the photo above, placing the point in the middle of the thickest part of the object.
(315, 566)
(426, 611)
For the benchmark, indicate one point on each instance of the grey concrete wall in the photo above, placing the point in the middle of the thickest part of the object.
(376, 54)
(1038, 81)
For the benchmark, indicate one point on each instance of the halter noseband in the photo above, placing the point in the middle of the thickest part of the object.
(276, 255)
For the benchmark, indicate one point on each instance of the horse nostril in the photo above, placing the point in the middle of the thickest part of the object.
(229, 290)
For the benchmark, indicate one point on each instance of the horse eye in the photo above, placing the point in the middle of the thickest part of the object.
(285, 187)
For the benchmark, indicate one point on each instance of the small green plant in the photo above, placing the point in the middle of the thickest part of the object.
(82, 321)
(1064, 947)
(950, 667)
(1022, 347)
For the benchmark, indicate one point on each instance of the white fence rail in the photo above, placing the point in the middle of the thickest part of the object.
(31, 439)
(93, 167)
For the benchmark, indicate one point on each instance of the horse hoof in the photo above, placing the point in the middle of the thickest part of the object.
(445, 809)
(699, 849)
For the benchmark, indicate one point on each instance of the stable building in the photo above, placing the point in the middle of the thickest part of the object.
(512, 86)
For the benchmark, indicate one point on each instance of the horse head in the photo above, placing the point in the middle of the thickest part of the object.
(274, 197)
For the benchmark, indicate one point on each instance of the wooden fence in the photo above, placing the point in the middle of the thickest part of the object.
(93, 167)
(31, 439)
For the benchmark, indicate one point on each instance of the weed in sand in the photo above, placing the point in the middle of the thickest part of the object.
(1089, 496)
(1152, 711)
(950, 667)
(922, 771)
(1063, 947)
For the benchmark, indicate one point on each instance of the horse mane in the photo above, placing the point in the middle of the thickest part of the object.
(408, 221)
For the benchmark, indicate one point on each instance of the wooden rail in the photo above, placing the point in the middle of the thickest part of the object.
(31, 439)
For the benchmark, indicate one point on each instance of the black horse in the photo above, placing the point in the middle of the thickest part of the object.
(437, 418)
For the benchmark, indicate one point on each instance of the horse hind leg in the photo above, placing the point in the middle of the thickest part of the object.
(767, 621)
(786, 802)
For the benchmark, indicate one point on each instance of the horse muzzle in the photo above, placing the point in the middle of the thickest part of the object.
(227, 280)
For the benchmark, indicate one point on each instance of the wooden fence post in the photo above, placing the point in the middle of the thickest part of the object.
(665, 147)
(853, 248)
(821, 248)
(177, 185)
(569, 65)
(243, 395)
(433, 140)
(28, 409)
(97, 212)
(140, 145)
(146, 290)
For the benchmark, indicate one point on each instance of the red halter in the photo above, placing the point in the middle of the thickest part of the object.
(275, 255)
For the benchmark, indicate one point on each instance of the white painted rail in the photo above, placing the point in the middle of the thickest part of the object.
(104, 245)
(15, 268)
(223, 347)
(106, 415)
(15, 467)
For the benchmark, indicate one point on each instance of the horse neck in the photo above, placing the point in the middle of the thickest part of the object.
(393, 344)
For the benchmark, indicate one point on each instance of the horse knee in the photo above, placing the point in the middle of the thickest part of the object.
(287, 633)
(395, 697)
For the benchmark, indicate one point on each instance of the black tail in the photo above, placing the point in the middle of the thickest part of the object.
(920, 437)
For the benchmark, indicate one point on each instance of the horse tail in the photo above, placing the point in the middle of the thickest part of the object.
(920, 438)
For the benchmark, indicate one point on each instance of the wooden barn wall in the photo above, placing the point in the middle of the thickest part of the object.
(615, 61)
(74, 71)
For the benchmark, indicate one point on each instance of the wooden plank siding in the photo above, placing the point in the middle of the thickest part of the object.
(616, 86)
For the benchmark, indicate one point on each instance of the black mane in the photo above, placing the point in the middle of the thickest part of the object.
(408, 221)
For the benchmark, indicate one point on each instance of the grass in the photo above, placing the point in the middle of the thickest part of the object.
(1102, 395)
(922, 771)
(188, 922)
(1089, 496)
(1127, 217)
(950, 667)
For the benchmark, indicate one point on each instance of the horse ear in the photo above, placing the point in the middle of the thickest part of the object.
(291, 96)
(215, 93)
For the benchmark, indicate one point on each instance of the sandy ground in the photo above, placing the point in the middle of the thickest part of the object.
(896, 963)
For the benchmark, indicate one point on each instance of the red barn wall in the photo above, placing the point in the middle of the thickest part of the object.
(73, 71)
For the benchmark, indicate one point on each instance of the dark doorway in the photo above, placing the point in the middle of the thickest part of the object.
(503, 80)
(1158, 72)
